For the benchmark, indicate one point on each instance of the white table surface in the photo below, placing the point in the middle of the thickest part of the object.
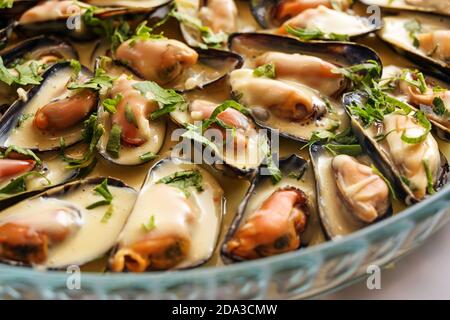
(422, 274)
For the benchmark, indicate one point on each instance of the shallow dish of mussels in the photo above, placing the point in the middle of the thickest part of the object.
(221, 149)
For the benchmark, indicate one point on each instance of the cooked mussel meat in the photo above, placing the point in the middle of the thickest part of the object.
(57, 228)
(273, 219)
(329, 20)
(352, 191)
(422, 38)
(175, 222)
(50, 111)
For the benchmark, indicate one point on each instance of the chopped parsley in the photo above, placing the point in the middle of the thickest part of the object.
(92, 133)
(439, 108)
(413, 27)
(266, 70)
(348, 149)
(168, 99)
(113, 145)
(24, 117)
(315, 34)
(6, 4)
(110, 104)
(210, 38)
(18, 184)
(25, 73)
(430, 183)
(150, 225)
(103, 191)
(148, 156)
(184, 180)
(100, 82)
(388, 183)
(22, 151)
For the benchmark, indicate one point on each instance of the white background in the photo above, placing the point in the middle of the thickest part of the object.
(422, 274)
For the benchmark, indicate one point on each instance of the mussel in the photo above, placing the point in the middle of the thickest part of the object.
(441, 7)
(326, 16)
(43, 50)
(300, 96)
(272, 219)
(425, 39)
(351, 191)
(235, 145)
(218, 17)
(130, 133)
(175, 222)
(24, 175)
(172, 64)
(423, 92)
(66, 17)
(49, 111)
(403, 149)
(67, 225)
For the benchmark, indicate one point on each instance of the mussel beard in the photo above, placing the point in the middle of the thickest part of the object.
(412, 160)
(274, 228)
(363, 192)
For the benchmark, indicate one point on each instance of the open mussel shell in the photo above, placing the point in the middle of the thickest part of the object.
(264, 12)
(296, 173)
(46, 50)
(395, 34)
(440, 7)
(128, 155)
(440, 123)
(68, 232)
(185, 220)
(17, 124)
(51, 172)
(212, 66)
(251, 45)
(219, 148)
(336, 218)
(71, 23)
(379, 154)
(41, 47)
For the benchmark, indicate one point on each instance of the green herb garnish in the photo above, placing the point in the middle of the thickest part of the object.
(110, 104)
(150, 225)
(266, 70)
(113, 145)
(22, 151)
(388, 183)
(103, 191)
(148, 156)
(167, 99)
(430, 183)
(315, 34)
(18, 184)
(183, 180)
(100, 82)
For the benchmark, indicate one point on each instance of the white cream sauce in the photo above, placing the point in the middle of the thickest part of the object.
(197, 217)
(27, 135)
(95, 237)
